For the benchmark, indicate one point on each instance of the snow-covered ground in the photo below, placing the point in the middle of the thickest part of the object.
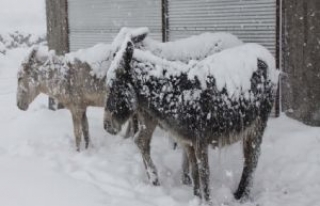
(39, 164)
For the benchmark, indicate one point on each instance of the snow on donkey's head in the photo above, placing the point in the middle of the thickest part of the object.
(121, 98)
(28, 76)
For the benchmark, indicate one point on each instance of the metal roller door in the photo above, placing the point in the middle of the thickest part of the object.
(250, 20)
(96, 21)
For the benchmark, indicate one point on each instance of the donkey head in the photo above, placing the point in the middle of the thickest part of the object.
(27, 89)
(120, 105)
(121, 100)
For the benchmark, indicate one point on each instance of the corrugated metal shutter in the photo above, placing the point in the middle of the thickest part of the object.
(250, 20)
(93, 21)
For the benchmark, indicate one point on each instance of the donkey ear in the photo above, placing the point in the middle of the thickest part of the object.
(33, 53)
(139, 38)
(128, 56)
(129, 51)
(123, 66)
(29, 59)
(138, 35)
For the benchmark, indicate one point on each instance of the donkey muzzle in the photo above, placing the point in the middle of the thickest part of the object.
(22, 106)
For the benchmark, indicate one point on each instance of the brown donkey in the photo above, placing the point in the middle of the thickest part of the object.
(71, 83)
(77, 80)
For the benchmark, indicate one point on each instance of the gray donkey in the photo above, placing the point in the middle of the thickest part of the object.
(223, 99)
(186, 50)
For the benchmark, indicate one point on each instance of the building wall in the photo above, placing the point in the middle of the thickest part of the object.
(99, 21)
(301, 85)
(251, 21)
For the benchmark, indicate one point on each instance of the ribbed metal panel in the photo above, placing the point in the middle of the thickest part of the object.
(250, 20)
(94, 21)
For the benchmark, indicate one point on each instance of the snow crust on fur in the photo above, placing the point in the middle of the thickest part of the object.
(195, 47)
(232, 68)
(45, 59)
(99, 57)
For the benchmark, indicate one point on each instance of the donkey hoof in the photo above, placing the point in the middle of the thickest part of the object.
(241, 195)
(156, 182)
(186, 180)
(87, 145)
(237, 195)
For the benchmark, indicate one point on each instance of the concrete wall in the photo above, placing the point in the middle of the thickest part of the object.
(301, 54)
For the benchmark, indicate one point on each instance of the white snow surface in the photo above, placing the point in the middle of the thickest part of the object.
(2, 48)
(187, 50)
(233, 68)
(195, 47)
(39, 164)
(98, 57)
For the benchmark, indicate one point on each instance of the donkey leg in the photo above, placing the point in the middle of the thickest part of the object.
(76, 118)
(142, 140)
(85, 128)
(190, 153)
(251, 152)
(129, 130)
(185, 178)
(133, 127)
(201, 152)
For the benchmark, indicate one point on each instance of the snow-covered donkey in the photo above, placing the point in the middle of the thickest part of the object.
(225, 98)
(71, 81)
(77, 80)
(186, 50)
